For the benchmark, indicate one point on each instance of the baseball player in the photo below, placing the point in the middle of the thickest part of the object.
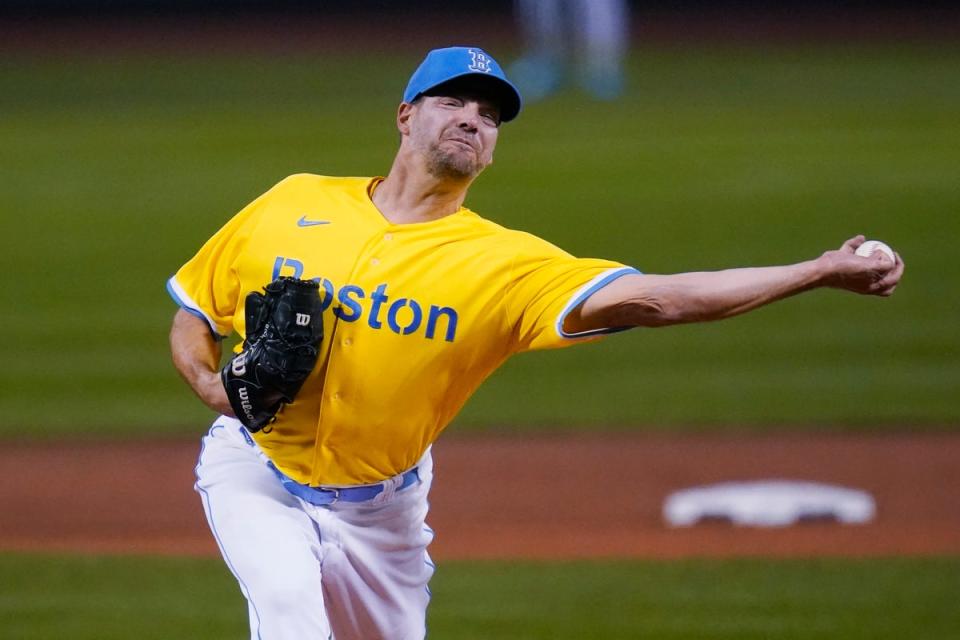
(317, 493)
(589, 35)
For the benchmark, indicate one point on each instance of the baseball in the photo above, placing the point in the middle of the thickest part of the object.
(870, 247)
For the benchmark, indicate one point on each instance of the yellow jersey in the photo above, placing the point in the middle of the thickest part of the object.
(416, 316)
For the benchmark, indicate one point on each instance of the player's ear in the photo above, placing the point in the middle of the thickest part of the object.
(404, 113)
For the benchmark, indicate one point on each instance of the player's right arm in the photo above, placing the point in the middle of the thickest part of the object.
(196, 355)
(661, 300)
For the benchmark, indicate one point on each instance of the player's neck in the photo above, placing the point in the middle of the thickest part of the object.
(407, 196)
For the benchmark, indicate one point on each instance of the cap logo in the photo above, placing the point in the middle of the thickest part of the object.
(479, 61)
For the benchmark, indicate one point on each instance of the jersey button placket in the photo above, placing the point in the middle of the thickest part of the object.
(375, 261)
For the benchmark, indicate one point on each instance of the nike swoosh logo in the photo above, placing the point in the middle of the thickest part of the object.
(303, 222)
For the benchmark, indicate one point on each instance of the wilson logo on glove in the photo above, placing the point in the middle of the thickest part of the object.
(239, 365)
(245, 404)
(284, 331)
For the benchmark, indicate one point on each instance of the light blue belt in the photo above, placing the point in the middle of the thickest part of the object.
(320, 496)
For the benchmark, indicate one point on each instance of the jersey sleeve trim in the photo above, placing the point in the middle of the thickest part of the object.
(187, 304)
(585, 292)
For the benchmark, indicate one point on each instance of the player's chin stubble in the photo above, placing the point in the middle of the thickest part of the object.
(445, 164)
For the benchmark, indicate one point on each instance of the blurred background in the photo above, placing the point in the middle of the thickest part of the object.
(672, 136)
(726, 134)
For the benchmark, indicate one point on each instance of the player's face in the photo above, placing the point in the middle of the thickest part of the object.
(456, 133)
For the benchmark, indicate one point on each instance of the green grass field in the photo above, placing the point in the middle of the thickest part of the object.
(102, 598)
(117, 168)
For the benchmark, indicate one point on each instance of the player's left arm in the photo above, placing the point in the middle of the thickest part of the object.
(661, 300)
(196, 355)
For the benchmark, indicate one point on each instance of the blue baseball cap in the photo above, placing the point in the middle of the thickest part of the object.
(444, 65)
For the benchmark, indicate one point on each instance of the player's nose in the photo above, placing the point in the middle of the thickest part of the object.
(469, 116)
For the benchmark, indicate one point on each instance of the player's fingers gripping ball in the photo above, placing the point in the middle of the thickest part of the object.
(871, 247)
(284, 328)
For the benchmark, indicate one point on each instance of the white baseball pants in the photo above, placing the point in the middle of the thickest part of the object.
(345, 571)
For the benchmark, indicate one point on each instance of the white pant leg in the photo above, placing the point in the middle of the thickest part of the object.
(376, 571)
(543, 25)
(602, 29)
(267, 540)
(360, 569)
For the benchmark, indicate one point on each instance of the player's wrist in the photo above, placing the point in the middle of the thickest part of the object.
(213, 393)
(822, 271)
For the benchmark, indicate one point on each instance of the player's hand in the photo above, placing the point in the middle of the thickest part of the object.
(874, 275)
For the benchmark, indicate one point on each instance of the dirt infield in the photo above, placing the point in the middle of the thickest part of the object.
(506, 497)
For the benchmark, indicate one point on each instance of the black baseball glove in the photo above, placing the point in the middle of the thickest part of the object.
(284, 330)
